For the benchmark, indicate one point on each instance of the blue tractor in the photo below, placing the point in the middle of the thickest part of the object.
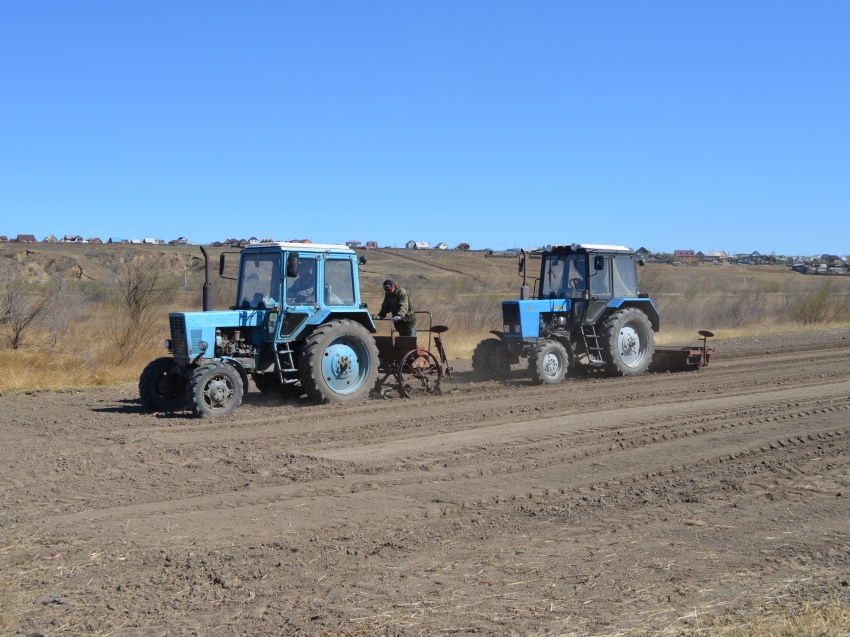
(298, 326)
(587, 311)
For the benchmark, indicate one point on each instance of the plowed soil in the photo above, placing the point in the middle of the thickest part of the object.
(597, 506)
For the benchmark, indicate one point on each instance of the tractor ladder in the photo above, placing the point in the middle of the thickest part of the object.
(290, 363)
(592, 344)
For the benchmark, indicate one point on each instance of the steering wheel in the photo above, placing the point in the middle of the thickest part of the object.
(574, 283)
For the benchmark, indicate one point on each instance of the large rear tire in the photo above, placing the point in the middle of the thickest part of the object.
(490, 360)
(628, 342)
(161, 387)
(548, 363)
(339, 363)
(214, 389)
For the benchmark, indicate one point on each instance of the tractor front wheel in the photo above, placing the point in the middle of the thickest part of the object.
(339, 363)
(548, 363)
(628, 342)
(491, 360)
(214, 389)
(161, 387)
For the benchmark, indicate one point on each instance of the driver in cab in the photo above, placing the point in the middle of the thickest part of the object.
(302, 291)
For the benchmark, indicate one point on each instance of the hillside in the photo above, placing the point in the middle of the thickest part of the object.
(463, 290)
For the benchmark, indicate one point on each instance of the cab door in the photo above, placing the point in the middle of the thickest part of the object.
(600, 287)
(301, 294)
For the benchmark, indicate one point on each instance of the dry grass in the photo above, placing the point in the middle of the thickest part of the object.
(814, 607)
(73, 349)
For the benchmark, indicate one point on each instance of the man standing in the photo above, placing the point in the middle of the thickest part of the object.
(397, 303)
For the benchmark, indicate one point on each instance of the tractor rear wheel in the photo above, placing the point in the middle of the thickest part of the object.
(214, 389)
(339, 363)
(161, 387)
(628, 342)
(490, 360)
(548, 362)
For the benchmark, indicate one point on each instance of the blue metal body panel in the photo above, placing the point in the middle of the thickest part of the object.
(201, 326)
(528, 312)
(644, 304)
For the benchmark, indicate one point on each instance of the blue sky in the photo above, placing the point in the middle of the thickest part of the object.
(670, 125)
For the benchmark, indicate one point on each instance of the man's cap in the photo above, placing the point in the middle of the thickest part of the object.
(389, 283)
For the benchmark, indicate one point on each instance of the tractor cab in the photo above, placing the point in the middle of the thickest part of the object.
(591, 276)
(303, 284)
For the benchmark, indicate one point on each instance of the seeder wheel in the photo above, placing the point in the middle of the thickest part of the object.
(419, 374)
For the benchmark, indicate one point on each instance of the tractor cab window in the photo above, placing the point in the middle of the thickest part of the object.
(259, 283)
(339, 282)
(301, 290)
(600, 280)
(563, 276)
(625, 277)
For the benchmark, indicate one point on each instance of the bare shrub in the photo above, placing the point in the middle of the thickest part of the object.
(68, 308)
(22, 308)
(821, 305)
(142, 293)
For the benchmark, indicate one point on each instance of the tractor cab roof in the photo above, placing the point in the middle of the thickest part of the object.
(588, 247)
(301, 247)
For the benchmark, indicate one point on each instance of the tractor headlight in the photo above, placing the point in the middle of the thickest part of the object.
(168, 344)
(507, 329)
(202, 347)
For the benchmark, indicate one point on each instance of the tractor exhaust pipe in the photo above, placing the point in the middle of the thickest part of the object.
(207, 293)
(524, 293)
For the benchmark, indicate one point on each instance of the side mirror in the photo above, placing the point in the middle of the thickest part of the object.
(292, 264)
(641, 262)
(598, 262)
(521, 265)
(362, 260)
(222, 264)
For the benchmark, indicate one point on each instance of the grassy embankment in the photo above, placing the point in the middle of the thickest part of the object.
(79, 343)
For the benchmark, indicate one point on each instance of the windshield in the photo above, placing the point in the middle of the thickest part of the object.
(563, 276)
(259, 283)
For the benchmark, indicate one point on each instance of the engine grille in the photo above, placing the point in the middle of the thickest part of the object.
(510, 317)
(178, 335)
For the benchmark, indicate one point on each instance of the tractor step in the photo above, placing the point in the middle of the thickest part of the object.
(592, 344)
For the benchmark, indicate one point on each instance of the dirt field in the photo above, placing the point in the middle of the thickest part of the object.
(599, 506)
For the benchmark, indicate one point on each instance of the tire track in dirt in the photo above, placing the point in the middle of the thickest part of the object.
(507, 508)
(470, 463)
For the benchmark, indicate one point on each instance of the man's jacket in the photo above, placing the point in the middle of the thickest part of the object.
(398, 304)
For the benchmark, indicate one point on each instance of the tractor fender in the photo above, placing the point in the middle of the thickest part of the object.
(511, 347)
(644, 305)
(235, 364)
(360, 317)
(566, 342)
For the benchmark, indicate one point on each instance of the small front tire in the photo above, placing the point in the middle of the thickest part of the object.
(548, 363)
(214, 389)
(491, 360)
(161, 386)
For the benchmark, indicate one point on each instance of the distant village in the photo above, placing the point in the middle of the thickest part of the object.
(823, 263)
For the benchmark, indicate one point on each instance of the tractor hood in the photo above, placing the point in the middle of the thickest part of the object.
(189, 329)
